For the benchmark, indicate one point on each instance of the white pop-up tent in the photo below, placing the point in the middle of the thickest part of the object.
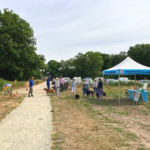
(127, 67)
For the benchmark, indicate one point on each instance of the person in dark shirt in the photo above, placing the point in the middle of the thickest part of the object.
(100, 89)
(48, 83)
(31, 87)
(53, 83)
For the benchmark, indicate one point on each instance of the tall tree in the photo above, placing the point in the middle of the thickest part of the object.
(88, 64)
(18, 58)
(53, 68)
(117, 58)
(107, 61)
(140, 53)
(67, 68)
(42, 62)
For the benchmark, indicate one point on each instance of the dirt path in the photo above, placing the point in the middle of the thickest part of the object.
(29, 126)
(130, 118)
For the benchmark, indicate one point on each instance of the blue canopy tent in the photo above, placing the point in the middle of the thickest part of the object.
(127, 67)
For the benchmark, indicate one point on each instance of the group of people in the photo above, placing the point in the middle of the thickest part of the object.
(55, 84)
(97, 87)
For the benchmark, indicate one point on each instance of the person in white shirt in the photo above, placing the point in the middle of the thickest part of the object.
(73, 87)
(95, 86)
(57, 86)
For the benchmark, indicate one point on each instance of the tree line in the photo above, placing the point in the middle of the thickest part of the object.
(19, 60)
(91, 64)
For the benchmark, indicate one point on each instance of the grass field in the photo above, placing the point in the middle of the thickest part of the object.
(88, 124)
(7, 104)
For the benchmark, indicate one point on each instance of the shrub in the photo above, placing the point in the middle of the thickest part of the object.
(1, 84)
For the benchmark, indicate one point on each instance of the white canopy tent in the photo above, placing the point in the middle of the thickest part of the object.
(127, 67)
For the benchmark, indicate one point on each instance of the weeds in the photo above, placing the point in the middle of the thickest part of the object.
(145, 112)
(88, 122)
(7, 104)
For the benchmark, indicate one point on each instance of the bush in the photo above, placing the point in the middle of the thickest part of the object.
(1, 84)
(37, 81)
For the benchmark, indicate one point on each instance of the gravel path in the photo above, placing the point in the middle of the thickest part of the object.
(29, 126)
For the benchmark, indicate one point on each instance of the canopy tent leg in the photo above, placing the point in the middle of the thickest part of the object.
(119, 89)
(135, 80)
(103, 85)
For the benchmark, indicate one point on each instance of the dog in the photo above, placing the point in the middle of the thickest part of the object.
(104, 94)
(49, 90)
(89, 92)
(45, 89)
(12, 95)
(77, 96)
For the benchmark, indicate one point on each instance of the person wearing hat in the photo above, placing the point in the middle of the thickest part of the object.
(95, 86)
(73, 88)
(57, 86)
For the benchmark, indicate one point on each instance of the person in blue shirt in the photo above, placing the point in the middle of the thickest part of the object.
(48, 83)
(31, 87)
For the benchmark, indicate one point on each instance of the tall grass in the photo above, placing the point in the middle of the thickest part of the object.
(130, 83)
(115, 84)
(1, 84)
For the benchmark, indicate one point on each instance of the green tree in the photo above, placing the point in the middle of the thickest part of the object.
(107, 61)
(67, 68)
(43, 66)
(18, 58)
(88, 64)
(140, 53)
(117, 58)
(53, 68)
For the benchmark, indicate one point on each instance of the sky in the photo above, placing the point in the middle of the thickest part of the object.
(63, 28)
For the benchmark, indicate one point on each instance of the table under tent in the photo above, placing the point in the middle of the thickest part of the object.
(127, 67)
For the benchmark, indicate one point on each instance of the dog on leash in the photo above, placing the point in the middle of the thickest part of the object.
(49, 90)
(77, 96)
(89, 93)
(12, 95)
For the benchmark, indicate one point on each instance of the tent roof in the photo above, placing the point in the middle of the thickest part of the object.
(130, 64)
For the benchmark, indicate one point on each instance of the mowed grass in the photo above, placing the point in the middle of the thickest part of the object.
(7, 104)
(88, 124)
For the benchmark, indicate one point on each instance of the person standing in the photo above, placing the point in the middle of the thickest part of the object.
(48, 83)
(31, 87)
(53, 84)
(57, 86)
(95, 86)
(61, 81)
(73, 87)
(86, 87)
(53, 81)
(100, 89)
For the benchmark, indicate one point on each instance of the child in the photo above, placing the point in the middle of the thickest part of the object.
(73, 88)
